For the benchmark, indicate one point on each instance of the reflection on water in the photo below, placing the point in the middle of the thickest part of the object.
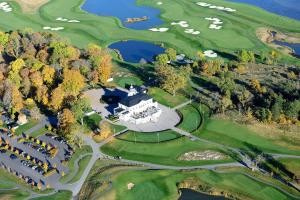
(124, 9)
(187, 194)
(133, 51)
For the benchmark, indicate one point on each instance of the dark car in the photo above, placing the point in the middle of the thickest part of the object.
(13, 156)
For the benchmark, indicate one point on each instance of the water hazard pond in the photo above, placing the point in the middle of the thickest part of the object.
(133, 51)
(123, 9)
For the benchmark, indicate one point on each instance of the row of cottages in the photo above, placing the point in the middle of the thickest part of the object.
(138, 107)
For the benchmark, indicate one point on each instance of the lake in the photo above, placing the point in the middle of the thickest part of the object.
(123, 9)
(188, 194)
(133, 51)
(288, 8)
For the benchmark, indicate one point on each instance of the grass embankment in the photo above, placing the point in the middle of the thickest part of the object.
(81, 164)
(235, 135)
(191, 118)
(238, 29)
(60, 195)
(14, 195)
(26, 127)
(162, 184)
(153, 137)
(166, 153)
(165, 98)
(264, 178)
(72, 173)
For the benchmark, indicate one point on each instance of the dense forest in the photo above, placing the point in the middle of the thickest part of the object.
(41, 72)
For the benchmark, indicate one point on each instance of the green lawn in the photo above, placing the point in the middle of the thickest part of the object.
(84, 150)
(234, 135)
(292, 165)
(131, 80)
(82, 164)
(166, 153)
(60, 195)
(26, 127)
(92, 122)
(191, 118)
(165, 98)
(39, 132)
(132, 136)
(161, 184)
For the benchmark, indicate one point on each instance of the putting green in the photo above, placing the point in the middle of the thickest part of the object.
(238, 29)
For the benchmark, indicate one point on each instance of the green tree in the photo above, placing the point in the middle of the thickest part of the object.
(276, 108)
(162, 59)
(171, 53)
(81, 106)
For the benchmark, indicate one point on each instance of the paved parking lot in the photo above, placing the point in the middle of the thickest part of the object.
(15, 165)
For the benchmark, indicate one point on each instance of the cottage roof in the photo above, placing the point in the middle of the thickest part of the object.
(134, 100)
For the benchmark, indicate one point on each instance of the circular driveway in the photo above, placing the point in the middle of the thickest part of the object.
(168, 119)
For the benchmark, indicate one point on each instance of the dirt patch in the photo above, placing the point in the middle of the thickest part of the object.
(204, 155)
(7, 197)
(31, 6)
(268, 35)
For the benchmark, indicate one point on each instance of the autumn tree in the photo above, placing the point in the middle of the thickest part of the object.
(4, 37)
(105, 68)
(13, 45)
(171, 79)
(36, 79)
(57, 98)
(105, 130)
(14, 73)
(42, 95)
(66, 120)
(16, 100)
(73, 82)
(48, 74)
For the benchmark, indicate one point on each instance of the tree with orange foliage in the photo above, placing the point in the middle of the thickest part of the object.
(105, 68)
(57, 98)
(73, 82)
(66, 120)
(48, 74)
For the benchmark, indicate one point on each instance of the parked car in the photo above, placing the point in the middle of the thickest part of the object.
(13, 156)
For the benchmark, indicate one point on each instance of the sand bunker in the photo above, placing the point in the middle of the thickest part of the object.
(53, 28)
(207, 5)
(210, 54)
(67, 20)
(159, 3)
(5, 7)
(192, 31)
(130, 186)
(215, 23)
(159, 29)
(204, 155)
(183, 24)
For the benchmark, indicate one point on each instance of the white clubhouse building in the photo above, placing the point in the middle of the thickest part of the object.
(137, 108)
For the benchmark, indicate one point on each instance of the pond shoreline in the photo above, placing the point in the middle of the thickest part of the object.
(270, 36)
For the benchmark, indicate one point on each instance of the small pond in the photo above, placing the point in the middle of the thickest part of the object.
(288, 8)
(187, 194)
(296, 47)
(133, 51)
(124, 9)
